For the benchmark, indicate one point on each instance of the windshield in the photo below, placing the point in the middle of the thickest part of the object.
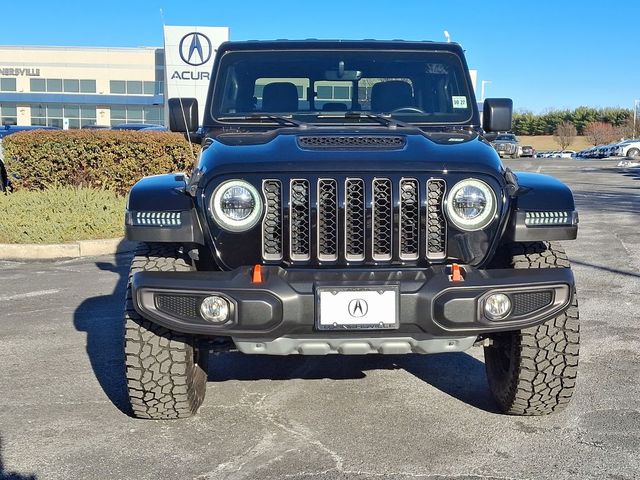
(413, 86)
(508, 138)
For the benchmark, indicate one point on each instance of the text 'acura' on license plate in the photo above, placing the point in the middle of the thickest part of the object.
(346, 308)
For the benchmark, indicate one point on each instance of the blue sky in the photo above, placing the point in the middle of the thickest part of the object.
(543, 54)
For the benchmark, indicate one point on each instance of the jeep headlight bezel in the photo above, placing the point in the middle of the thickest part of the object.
(471, 194)
(239, 195)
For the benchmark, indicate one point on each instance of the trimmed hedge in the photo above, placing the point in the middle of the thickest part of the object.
(109, 159)
(61, 214)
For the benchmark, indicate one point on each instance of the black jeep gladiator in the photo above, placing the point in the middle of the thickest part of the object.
(345, 201)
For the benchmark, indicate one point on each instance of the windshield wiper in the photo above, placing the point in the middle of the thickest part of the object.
(282, 120)
(381, 118)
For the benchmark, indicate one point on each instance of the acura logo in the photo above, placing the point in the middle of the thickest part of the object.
(195, 49)
(358, 308)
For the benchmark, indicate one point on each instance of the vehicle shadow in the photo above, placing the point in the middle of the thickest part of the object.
(456, 374)
(6, 474)
(101, 319)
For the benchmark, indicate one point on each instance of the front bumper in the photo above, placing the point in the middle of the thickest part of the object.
(283, 305)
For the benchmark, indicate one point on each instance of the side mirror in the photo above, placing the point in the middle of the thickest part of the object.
(497, 114)
(183, 115)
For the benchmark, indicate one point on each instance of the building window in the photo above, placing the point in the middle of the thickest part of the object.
(87, 86)
(58, 85)
(54, 115)
(38, 85)
(135, 87)
(8, 115)
(71, 86)
(54, 85)
(149, 88)
(7, 84)
(119, 87)
(137, 114)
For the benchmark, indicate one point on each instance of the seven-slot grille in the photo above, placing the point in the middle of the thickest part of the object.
(353, 219)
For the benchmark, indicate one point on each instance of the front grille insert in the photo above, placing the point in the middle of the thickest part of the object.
(382, 218)
(179, 305)
(327, 219)
(272, 223)
(409, 219)
(436, 224)
(387, 142)
(299, 216)
(353, 220)
(525, 303)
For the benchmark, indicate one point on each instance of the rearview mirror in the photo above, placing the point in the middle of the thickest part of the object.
(497, 114)
(344, 75)
(183, 115)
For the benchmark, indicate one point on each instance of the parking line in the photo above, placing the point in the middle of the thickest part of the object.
(20, 296)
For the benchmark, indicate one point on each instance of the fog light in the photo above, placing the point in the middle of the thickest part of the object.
(497, 306)
(215, 309)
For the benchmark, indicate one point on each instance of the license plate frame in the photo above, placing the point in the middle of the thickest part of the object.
(339, 300)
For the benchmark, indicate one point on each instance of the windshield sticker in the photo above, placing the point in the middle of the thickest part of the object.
(459, 101)
(436, 68)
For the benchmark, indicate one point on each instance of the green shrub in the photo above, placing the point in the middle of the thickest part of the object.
(109, 159)
(60, 214)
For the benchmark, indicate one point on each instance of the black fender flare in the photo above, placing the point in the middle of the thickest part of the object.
(159, 209)
(545, 197)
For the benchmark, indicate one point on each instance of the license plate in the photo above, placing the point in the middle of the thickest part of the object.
(356, 308)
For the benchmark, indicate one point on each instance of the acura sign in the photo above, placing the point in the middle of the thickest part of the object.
(189, 54)
(195, 49)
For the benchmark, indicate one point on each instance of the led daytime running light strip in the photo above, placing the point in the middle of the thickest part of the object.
(157, 219)
(548, 218)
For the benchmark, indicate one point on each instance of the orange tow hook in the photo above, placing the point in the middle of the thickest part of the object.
(257, 274)
(456, 273)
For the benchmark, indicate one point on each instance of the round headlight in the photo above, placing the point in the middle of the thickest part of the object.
(236, 205)
(471, 205)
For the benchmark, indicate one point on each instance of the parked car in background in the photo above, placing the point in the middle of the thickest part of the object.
(506, 144)
(628, 148)
(155, 128)
(5, 131)
(136, 126)
(528, 151)
(567, 154)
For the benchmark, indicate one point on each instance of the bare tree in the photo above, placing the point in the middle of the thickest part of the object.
(565, 134)
(600, 133)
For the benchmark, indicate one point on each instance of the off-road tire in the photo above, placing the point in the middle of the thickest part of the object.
(633, 152)
(533, 371)
(166, 374)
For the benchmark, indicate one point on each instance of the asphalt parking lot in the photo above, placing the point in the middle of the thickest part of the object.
(61, 398)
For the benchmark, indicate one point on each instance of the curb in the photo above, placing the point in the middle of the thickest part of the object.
(82, 248)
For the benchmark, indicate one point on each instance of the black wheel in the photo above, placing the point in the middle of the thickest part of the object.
(533, 371)
(633, 152)
(166, 373)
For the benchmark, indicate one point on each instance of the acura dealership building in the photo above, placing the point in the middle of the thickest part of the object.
(73, 87)
(78, 86)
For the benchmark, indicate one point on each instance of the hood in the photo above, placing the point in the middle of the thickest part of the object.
(290, 150)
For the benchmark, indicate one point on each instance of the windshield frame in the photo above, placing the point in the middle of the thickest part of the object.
(311, 117)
